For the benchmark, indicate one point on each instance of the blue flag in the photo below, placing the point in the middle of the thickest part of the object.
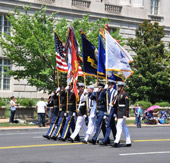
(101, 61)
(89, 58)
(101, 58)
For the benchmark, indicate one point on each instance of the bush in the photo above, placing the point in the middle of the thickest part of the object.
(163, 104)
(2, 102)
(145, 104)
(26, 102)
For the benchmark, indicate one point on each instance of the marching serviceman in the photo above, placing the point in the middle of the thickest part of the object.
(81, 112)
(110, 125)
(62, 111)
(100, 113)
(92, 111)
(122, 113)
(55, 104)
(71, 114)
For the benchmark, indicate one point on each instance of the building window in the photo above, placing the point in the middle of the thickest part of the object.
(4, 77)
(4, 25)
(138, 3)
(125, 2)
(154, 7)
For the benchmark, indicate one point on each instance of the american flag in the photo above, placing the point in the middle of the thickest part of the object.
(60, 57)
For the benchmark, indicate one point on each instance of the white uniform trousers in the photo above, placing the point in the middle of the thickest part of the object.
(79, 123)
(91, 127)
(121, 125)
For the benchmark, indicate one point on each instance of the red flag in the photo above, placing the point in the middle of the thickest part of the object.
(75, 67)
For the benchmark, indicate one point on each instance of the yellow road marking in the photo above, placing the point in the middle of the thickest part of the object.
(40, 145)
(48, 145)
(150, 140)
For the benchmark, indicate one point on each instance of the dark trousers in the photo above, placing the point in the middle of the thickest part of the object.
(110, 126)
(41, 119)
(53, 125)
(11, 120)
(100, 125)
(139, 121)
(60, 125)
(70, 123)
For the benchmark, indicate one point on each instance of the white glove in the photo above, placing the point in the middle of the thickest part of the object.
(67, 88)
(96, 89)
(65, 114)
(106, 86)
(85, 91)
(74, 114)
(124, 117)
(114, 115)
(58, 89)
(85, 116)
(104, 117)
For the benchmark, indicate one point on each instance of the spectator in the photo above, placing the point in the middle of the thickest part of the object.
(151, 116)
(13, 109)
(136, 112)
(139, 114)
(41, 109)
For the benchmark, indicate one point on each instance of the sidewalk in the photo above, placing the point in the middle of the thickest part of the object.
(47, 126)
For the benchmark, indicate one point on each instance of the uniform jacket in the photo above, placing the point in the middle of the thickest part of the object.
(82, 105)
(123, 105)
(63, 101)
(92, 104)
(101, 104)
(55, 104)
(71, 102)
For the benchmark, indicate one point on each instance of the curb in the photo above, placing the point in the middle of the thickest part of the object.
(41, 128)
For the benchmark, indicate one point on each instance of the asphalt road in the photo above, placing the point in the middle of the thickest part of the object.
(149, 145)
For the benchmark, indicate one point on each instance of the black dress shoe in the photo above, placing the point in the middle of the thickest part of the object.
(103, 144)
(115, 145)
(92, 142)
(46, 136)
(83, 141)
(54, 138)
(77, 140)
(128, 145)
(71, 140)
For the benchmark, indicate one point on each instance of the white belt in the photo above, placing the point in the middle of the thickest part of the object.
(122, 105)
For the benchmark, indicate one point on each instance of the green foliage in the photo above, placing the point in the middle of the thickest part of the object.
(151, 80)
(27, 102)
(2, 102)
(163, 104)
(145, 104)
(30, 47)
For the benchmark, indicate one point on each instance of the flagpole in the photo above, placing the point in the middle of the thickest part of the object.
(58, 86)
(86, 95)
(106, 95)
(97, 92)
(67, 103)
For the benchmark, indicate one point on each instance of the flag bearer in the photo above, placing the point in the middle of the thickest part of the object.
(122, 113)
(71, 114)
(112, 97)
(100, 113)
(92, 110)
(81, 112)
(62, 111)
(55, 104)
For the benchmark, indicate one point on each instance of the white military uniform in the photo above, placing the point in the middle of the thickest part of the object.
(80, 119)
(92, 119)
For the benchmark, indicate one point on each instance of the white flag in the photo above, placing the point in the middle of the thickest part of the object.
(117, 58)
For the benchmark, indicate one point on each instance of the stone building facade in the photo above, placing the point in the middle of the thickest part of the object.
(123, 14)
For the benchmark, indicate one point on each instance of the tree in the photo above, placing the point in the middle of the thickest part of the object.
(151, 78)
(30, 47)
